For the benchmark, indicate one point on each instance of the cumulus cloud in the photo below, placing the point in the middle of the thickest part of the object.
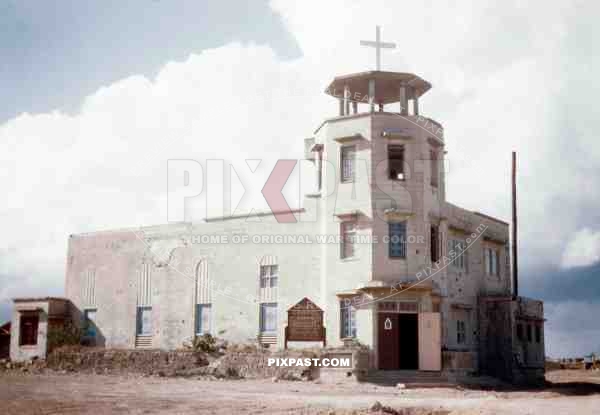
(105, 167)
(583, 249)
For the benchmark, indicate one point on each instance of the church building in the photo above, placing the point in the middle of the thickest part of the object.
(422, 283)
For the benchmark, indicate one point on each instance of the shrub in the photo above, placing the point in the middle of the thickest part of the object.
(64, 335)
(205, 343)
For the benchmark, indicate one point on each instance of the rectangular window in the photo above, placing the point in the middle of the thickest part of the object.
(461, 332)
(433, 154)
(89, 317)
(268, 318)
(269, 276)
(538, 334)
(144, 321)
(457, 252)
(28, 330)
(347, 320)
(529, 333)
(347, 238)
(203, 318)
(347, 157)
(491, 261)
(397, 242)
(396, 162)
(434, 241)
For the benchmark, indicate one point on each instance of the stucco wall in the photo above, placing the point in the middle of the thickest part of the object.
(173, 254)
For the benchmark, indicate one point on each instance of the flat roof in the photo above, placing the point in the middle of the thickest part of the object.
(32, 299)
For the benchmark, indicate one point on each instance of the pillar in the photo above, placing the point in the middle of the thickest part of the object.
(416, 105)
(372, 95)
(403, 100)
(354, 107)
(341, 101)
(347, 99)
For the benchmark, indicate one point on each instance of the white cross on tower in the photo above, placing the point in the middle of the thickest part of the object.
(378, 45)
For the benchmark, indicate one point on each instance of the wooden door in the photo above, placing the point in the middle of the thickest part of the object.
(388, 341)
(430, 349)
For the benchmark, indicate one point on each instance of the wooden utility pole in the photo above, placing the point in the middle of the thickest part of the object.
(515, 272)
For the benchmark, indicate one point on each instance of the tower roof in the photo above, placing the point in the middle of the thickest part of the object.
(387, 85)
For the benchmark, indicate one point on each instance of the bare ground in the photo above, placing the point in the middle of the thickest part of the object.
(53, 393)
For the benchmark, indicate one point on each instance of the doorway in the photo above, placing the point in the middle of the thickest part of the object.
(409, 341)
(398, 346)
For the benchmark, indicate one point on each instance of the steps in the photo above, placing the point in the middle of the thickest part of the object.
(410, 378)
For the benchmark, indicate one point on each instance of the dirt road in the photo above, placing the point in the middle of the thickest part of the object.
(53, 393)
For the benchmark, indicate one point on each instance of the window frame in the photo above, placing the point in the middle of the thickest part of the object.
(434, 245)
(348, 230)
(347, 320)
(263, 316)
(434, 168)
(139, 330)
(90, 328)
(459, 246)
(270, 277)
(200, 330)
(399, 154)
(402, 244)
(347, 153)
(492, 261)
(31, 339)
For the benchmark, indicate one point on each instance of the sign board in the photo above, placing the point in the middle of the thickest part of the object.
(305, 323)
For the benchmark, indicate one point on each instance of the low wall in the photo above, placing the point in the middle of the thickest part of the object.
(251, 363)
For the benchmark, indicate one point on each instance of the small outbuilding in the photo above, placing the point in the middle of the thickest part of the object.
(32, 320)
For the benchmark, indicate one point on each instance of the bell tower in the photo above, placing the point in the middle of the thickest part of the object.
(381, 180)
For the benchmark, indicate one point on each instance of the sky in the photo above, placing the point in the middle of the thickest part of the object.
(98, 95)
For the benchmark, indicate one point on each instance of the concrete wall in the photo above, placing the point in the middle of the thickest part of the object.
(502, 353)
(173, 254)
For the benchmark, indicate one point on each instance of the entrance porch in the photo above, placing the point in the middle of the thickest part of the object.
(405, 328)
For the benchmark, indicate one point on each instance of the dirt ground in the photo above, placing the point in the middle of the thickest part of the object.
(72, 393)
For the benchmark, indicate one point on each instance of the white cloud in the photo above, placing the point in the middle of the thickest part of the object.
(582, 249)
(105, 167)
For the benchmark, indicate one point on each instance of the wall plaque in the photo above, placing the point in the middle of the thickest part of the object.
(305, 323)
